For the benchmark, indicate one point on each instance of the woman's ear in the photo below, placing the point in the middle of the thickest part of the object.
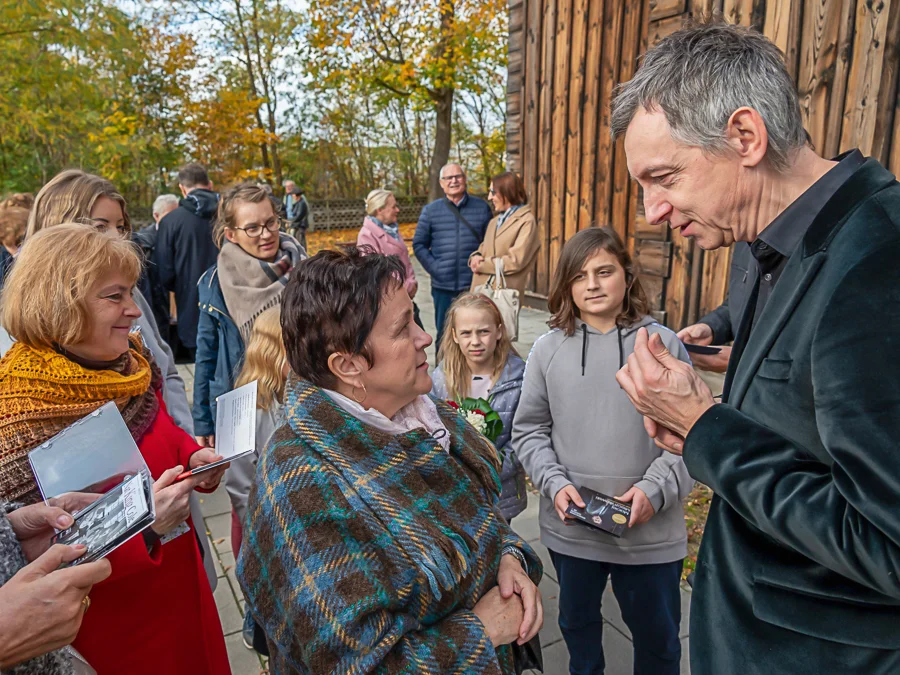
(347, 369)
(230, 235)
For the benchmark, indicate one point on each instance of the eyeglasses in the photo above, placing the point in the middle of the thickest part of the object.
(255, 231)
(491, 191)
(455, 177)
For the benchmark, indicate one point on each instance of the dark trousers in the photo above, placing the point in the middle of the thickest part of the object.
(649, 597)
(442, 302)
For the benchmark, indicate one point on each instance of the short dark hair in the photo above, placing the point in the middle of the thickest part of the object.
(330, 305)
(509, 186)
(193, 175)
(574, 254)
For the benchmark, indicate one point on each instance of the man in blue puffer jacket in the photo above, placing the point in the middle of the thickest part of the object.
(449, 230)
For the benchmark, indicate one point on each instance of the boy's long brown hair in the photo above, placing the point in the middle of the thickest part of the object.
(574, 254)
(453, 362)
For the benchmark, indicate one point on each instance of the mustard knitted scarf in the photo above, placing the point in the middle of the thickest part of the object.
(42, 392)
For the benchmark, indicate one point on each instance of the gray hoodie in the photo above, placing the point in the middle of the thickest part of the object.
(575, 425)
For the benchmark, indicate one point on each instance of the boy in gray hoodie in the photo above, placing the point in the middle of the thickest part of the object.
(574, 427)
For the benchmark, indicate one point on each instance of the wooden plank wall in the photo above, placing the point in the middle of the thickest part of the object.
(566, 56)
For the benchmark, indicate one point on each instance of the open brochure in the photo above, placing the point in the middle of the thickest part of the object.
(235, 425)
(97, 455)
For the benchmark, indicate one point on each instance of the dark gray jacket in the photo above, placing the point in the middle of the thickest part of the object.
(504, 398)
(725, 319)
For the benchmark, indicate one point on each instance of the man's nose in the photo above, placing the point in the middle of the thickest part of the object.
(656, 210)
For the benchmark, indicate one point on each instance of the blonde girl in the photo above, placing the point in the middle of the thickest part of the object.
(477, 360)
(266, 362)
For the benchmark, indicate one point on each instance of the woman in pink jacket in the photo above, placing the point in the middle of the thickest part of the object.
(381, 233)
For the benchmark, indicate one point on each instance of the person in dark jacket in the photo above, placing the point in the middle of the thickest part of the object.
(185, 248)
(13, 221)
(449, 230)
(296, 210)
(150, 284)
(798, 571)
(720, 326)
(477, 360)
(248, 278)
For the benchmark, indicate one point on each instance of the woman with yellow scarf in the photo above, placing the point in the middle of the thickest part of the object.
(74, 352)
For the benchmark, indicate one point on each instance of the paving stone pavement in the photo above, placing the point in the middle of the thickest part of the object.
(616, 636)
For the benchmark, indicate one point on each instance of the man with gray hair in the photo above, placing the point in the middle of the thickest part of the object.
(162, 206)
(447, 233)
(799, 570)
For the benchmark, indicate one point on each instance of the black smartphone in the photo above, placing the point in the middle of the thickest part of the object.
(709, 350)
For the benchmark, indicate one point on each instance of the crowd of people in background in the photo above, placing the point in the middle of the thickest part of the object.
(373, 527)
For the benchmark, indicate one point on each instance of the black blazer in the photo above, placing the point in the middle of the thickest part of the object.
(726, 318)
(799, 568)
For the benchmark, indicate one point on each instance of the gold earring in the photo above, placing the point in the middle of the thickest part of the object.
(353, 394)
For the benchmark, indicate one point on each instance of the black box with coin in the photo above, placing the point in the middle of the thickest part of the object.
(600, 512)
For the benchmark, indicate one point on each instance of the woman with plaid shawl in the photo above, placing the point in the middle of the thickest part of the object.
(372, 544)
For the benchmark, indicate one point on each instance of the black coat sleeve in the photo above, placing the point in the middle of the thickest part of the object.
(842, 516)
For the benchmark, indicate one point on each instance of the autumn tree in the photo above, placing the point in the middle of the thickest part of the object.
(423, 51)
(257, 38)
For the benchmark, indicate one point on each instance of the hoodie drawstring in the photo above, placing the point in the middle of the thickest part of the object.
(621, 348)
(583, 347)
(584, 334)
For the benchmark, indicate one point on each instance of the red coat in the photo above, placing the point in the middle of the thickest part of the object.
(156, 614)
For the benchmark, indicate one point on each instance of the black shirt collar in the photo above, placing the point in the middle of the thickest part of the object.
(785, 233)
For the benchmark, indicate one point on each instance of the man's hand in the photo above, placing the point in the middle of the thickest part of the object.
(206, 441)
(474, 262)
(34, 525)
(661, 387)
(210, 479)
(664, 437)
(41, 607)
(641, 508)
(562, 499)
(696, 334)
(513, 581)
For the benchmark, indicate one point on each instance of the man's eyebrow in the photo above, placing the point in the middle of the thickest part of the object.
(655, 168)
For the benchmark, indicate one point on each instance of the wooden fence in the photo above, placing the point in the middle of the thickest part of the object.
(565, 58)
(327, 214)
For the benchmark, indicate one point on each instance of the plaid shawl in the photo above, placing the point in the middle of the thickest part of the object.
(365, 552)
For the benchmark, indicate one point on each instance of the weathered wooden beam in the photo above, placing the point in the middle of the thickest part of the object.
(545, 144)
(860, 107)
(591, 115)
(832, 142)
(818, 61)
(613, 17)
(560, 133)
(887, 91)
(574, 157)
(663, 9)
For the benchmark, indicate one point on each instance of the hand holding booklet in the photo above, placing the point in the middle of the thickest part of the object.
(235, 427)
(97, 455)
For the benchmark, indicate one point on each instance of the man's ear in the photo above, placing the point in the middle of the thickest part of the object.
(347, 369)
(184, 191)
(747, 135)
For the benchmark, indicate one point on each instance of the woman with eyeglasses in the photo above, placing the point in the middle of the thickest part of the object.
(254, 264)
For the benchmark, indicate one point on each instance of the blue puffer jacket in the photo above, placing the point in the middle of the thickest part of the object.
(220, 353)
(442, 243)
(504, 398)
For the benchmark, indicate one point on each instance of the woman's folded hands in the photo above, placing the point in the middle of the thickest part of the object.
(512, 611)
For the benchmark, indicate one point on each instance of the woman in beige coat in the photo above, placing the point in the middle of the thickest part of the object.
(511, 236)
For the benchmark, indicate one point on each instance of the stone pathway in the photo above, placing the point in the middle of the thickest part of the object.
(616, 636)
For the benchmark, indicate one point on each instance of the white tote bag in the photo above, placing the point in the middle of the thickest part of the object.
(506, 299)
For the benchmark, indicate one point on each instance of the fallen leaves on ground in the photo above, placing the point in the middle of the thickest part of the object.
(320, 240)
